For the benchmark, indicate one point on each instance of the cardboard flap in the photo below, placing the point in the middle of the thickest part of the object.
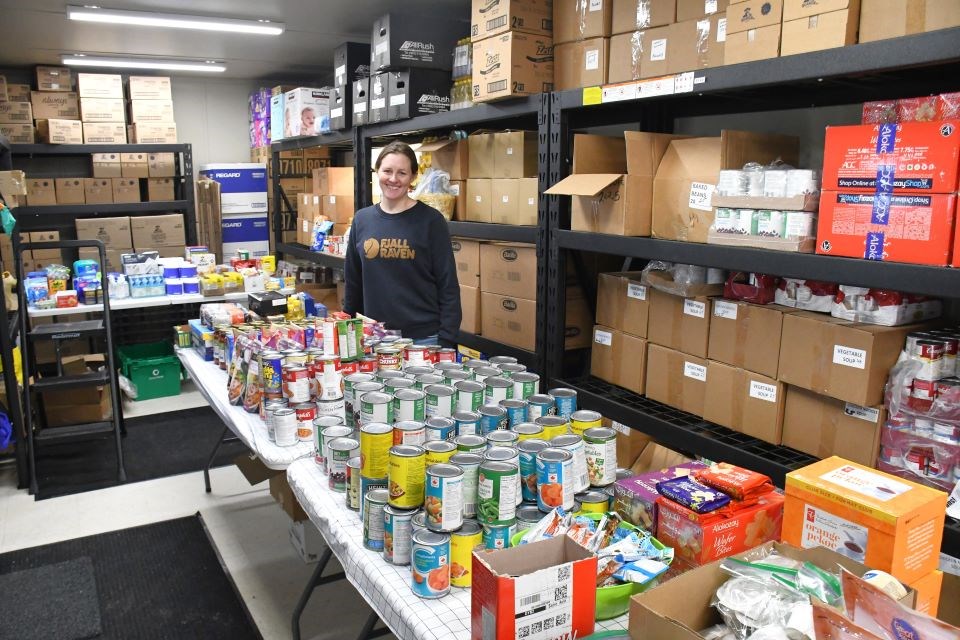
(436, 145)
(598, 154)
(691, 159)
(645, 150)
(741, 147)
(583, 184)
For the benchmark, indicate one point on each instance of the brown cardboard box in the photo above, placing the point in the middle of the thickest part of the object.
(508, 269)
(134, 165)
(452, 156)
(480, 153)
(104, 133)
(126, 189)
(744, 401)
(599, 154)
(149, 88)
(748, 15)
(60, 131)
(575, 20)
(293, 187)
(106, 165)
(253, 468)
(98, 190)
(309, 205)
(17, 133)
(172, 251)
(689, 171)
(626, 50)
(511, 64)
(509, 320)
(102, 110)
(18, 92)
(608, 202)
(160, 189)
(283, 494)
(154, 133)
(62, 105)
(619, 358)
(41, 191)
(100, 85)
(157, 231)
(334, 181)
(70, 191)
(50, 235)
(796, 9)
(340, 208)
(950, 592)
(529, 16)
(113, 232)
(16, 112)
(151, 111)
(679, 323)
(630, 442)
(515, 154)
(645, 151)
(528, 197)
(746, 335)
(821, 31)
(161, 165)
(823, 426)
(881, 19)
(845, 360)
(466, 253)
(751, 45)
(578, 321)
(622, 302)
(631, 15)
(676, 379)
(54, 78)
(697, 44)
(470, 306)
(514, 201)
(479, 200)
(458, 188)
(655, 52)
(696, 9)
(78, 406)
(581, 64)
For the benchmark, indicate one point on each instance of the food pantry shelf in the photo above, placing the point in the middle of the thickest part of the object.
(84, 149)
(342, 138)
(138, 303)
(111, 208)
(493, 231)
(302, 252)
(478, 114)
(493, 348)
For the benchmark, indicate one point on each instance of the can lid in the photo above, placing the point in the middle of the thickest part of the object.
(553, 454)
(501, 454)
(399, 383)
(566, 440)
(438, 390)
(468, 386)
(532, 445)
(592, 496)
(429, 538)
(470, 439)
(376, 428)
(336, 431)
(408, 394)
(527, 428)
(465, 458)
(466, 416)
(562, 392)
(376, 397)
(397, 511)
(585, 415)
(492, 410)
(502, 360)
(551, 421)
(498, 466)
(406, 450)
(502, 435)
(439, 422)
(600, 433)
(408, 425)
(344, 444)
(513, 403)
(327, 421)
(469, 528)
(525, 376)
(378, 495)
(439, 446)
(540, 398)
(444, 470)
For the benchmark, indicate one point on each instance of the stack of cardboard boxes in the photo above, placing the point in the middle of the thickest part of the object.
(452, 157)
(351, 72)
(151, 110)
(581, 36)
(102, 108)
(16, 113)
(242, 217)
(330, 198)
(501, 183)
(124, 234)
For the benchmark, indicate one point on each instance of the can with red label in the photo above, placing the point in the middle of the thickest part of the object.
(446, 354)
(296, 383)
(948, 391)
(388, 358)
(306, 413)
(929, 353)
(329, 377)
(922, 394)
(416, 355)
(349, 368)
(433, 352)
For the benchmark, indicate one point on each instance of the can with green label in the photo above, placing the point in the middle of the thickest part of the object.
(601, 452)
(497, 488)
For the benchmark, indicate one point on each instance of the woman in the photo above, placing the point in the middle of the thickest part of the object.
(400, 268)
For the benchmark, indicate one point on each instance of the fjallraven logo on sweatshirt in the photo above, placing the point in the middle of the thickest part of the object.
(394, 248)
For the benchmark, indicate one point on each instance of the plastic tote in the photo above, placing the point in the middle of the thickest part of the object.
(152, 367)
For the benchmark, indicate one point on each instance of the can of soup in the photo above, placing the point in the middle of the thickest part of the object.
(540, 404)
(516, 411)
(374, 502)
(438, 428)
(471, 443)
(376, 438)
(566, 401)
(502, 438)
(469, 463)
(574, 444)
(528, 467)
(319, 424)
(498, 536)
(525, 384)
(496, 389)
(492, 418)
(306, 414)
(409, 432)
(468, 422)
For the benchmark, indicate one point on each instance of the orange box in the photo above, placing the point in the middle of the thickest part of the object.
(910, 157)
(883, 521)
(559, 572)
(699, 538)
(928, 592)
(892, 228)
(956, 242)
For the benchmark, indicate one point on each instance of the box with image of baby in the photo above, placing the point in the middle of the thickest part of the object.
(306, 112)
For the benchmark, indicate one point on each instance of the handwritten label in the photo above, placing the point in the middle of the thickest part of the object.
(849, 357)
(658, 50)
(722, 30)
(762, 391)
(603, 337)
(592, 60)
(710, 7)
(863, 413)
(695, 309)
(597, 5)
(726, 310)
(636, 291)
(695, 371)
(701, 195)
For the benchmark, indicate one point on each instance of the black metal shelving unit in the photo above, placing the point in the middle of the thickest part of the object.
(493, 231)
(485, 345)
(304, 253)
(92, 210)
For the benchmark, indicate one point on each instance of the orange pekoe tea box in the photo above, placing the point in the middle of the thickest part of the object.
(883, 521)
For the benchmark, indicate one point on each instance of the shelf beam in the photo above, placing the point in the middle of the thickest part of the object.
(110, 208)
(494, 348)
(302, 252)
(85, 149)
(491, 231)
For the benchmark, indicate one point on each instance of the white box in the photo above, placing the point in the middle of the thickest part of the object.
(306, 539)
(243, 186)
(150, 88)
(249, 231)
(306, 112)
(276, 118)
(100, 85)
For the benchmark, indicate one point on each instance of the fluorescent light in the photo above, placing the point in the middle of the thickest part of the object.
(173, 20)
(141, 63)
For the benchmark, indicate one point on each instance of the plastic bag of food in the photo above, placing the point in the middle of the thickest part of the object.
(737, 482)
(829, 624)
(694, 495)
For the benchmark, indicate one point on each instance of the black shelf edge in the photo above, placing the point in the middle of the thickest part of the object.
(493, 231)
(73, 432)
(302, 252)
(494, 348)
(70, 382)
(914, 278)
(81, 149)
(13, 325)
(477, 114)
(67, 330)
(121, 207)
(924, 49)
(683, 431)
(951, 538)
(344, 137)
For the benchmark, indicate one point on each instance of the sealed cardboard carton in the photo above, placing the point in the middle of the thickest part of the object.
(351, 61)
(882, 19)
(41, 191)
(160, 189)
(360, 88)
(100, 85)
(512, 64)
(18, 92)
(581, 64)
(107, 165)
(470, 306)
(655, 52)
(748, 15)
(631, 15)
(622, 302)
(104, 133)
(15, 112)
(70, 191)
(154, 133)
(820, 31)
(452, 156)
(134, 165)
(888, 523)
(515, 154)
(102, 110)
(377, 104)
(626, 51)
(60, 131)
(458, 188)
(335, 181)
(578, 321)
(87, 404)
(753, 44)
(744, 401)
(149, 88)
(696, 9)
(515, 201)
(405, 39)
(466, 253)
(823, 426)
(508, 269)
(697, 44)
(509, 320)
(417, 92)
(152, 111)
(283, 494)
(98, 190)
(676, 379)
(126, 189)
(479, 200)
(55, 104)
(113, 232)
(746, 335)
(157, 231)
(528, 16)
(54, 78)
(340, 209)
(575, 20)
(161, 165)
(619, 358)
(679, 323)
(480, 151)
(17, 133)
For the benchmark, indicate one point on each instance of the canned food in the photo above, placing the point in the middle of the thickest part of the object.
(392, 385)
(409, 432)
(469, 395)
(329, 378)
(528, 515)
(376, 438)
(439, 428)
(553, 426)
(566, 401)
(285, 427)
(453, 376)
(593, 501)
(341, 450)
(502, 438)
(374, 502)
(508, 370)
(271, 373)
(319, 424)
(516, 411)
(951, 344)
(496, 389)
(376, 406)
(388, 358)
(446, 354)
(554, 479)
(498, 484)
(480, 374)
(468, 422)
(409, 404)
(389, 374)
(349, 382)
(446, 365)
(414, 371)
(574, 444)
(600, 444)
(948, 391)
(443, 497)
(349, 368)
(525, 384)
(406, 476)
(359, 390)
(473, 364)
(331, 408)
(439, 400)
(296, 383)
(492, 418)
(540, 404)
(469, 463)
(527, 431)
(368, 364)
(430, 564)
(528, 450)
(470, 443)
(462, 544)
(353, 483)
(427, 379)
(439, 451)
(929, 352)
(306, 414)
(327, 435)
(397, 534)
(582, 420)
(367, 485)
(501, 360)
(269, 407)
(623, 474)
(294, 357)
(419, 521)
(498, 537)
(415, 356)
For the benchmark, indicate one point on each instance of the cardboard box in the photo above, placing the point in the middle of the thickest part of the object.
(134, 165)
(527, 202)
(928, 590)
(635, 498)
(528, 16)
(360, 90)
(54, 78)
(479, 200)
(575, 20)
(466, 253)
(106, 165)
(417, 92)
(157, 231)
(748, 15)
(377, 104)
(60, 131)
(560, 571)
(823, 426)
(307, 541)
(78, 406)
(154, 133)
(578, 322)
(100, 85)
(351, 61)
(306, 111)
(113, 264)
(458, 188)
(480, 152)
(508, 269)
(512, 64)
(622, 302)
(630, 442)
(41, 191)
(821, 31)
(581, 64)
(696, 9)
(608, 203)
(676, 379)
(102, 110)
(18, 92)
(631, 15)
(452, 156)
(509, 320)
(161, 165)
(882, 19)
(112, 232)
(98, 190)
(50, 235)
(149, 88)
(744, 401)
(746, 335)
(70, 191)
(160, 189)
(626, 51)
(845, 360)
(470, 306)
(688, 173)
(514, 201)
(797, 9)
(697, 44)
(403, 39)
(126, 189)
(655, 52)
(253, 469)
(751, 45)
(515, 154)
(17, 133)
(679, 323)
(64, 105)
(599, 154)
(619, 359)
(151, 111)
(283, 494)
(340, 209)
(333, 181)
(16, 112)
(104, 133)
(888, 523)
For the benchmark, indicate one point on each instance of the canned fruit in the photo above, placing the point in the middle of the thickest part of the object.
(405, 478)
(554, 479)
(430, 564)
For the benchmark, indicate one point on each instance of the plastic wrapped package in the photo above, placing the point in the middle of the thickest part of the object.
(434, 190)
(948, 106)
(809, 295)
(882, 306)
(917, 109)
(879, 112)
(747, 604)
(876, 612)
(685, 280)
(757, 288)
(57, 277)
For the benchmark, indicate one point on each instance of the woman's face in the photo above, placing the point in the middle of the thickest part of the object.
(395, 175)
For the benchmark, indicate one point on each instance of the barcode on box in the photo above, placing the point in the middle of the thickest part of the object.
(499, 85)
(496, 23)
(530, 599)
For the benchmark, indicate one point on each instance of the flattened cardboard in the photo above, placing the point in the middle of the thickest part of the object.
(623, 302)
(675, 322)
(619, 358)
(676, 379)
(824, 427)
(746, 335)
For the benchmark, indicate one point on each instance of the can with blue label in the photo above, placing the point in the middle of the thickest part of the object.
(492, 418)
(516, 411)
(539, 404)
(440, 428)
(495, 537)
(554, 479)
(574, 444)
(430, 564)
(528, 467)
(374, 502)
(468, 422)
(566, 401)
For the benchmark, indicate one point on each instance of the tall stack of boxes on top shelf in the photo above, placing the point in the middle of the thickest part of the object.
(351, 78)
(16, 113)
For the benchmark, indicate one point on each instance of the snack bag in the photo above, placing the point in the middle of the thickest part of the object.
(829, 624)
(737, 482)
(694, 495)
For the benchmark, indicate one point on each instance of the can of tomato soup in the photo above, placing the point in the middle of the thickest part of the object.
(329, 377)
(306, 414)
(397, 534)
(416, 356)
(430, 564)
(554, 479)
(443, 497)
(296, 383)
(405, 477)
(462, 544)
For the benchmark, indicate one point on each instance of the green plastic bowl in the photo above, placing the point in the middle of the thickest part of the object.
(612, 601)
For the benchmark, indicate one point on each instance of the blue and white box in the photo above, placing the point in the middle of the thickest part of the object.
(249, 231)
(277, 114)
(306, 112)
(243, 186)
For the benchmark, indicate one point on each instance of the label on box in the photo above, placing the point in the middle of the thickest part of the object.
(359, 107)
(863, 413)
(722, 30)
(849, 357)
(695, 371)
(592, 60)
(953, 510)
(531, 202)
(592, 95)
(378, 103)
(637, 291)
(658, 49)
(596, 5)
(336, 113)
(709, 7)
(603, 337)
(505, 199)
(823, 529)
(620, 428)
(701, 194)
(726, 310)
(543, 603)
(381, 47)
(479, 198)
(398, 100)
(340, 71)
(873, 485)
(695, 309)
(683, 82)
(509, 151)
(762, 391)
(454, 188)
(332, 199)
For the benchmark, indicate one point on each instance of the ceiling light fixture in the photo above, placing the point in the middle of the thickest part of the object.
(81, 60)
(173, 20)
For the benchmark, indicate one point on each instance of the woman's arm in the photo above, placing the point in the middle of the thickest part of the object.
(353, 275)
(448, 288)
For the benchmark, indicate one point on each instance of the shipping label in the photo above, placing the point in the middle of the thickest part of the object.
(603, 337)
(658, 50)
(722, 30)
(695, 308)
(695, 371)
(727, 310)
(636, 291)
(873, 485)
(701, 195)
(543, 603)
(823, 529)
(596, 5)
(849, 357)
(710, 7)
(762, 391)
(592, 60)
(863, 413)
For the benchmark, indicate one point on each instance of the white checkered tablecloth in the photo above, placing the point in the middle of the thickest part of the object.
(212, 382)
(384, 586)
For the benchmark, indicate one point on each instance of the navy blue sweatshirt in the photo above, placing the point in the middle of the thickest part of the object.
(400, 270)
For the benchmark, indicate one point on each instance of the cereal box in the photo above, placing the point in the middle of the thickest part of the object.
(699, 538)
(885, 522)
(635, 498)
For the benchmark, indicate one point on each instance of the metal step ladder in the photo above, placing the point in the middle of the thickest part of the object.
(38, 433)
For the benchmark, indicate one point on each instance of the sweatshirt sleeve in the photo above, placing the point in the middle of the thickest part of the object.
(448, 288)
(353, 275)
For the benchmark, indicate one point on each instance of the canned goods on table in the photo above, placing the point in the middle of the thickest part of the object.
(600, 444)
(416, 371)
(331, 408)
(438, 451)
(269, 407)
(397, 534)
(271, 372)
(306, 414)
(353, 483)
(369, 484)
(349, 382)
(374, 502)
(462, 544)
(498, 536)
(285, 427)
(296, 383)
(480, 374)
(376, 438)
(492, 418)
(439, 428)
(502, 438)
(510, 369)
(359, 389)
(469, 395)
(444, 366)
(527, 431)
(584, 419)
(392, 385)
(516, 411)
(439, 400)
(443, 497)
(528, 450)
(446, 354)
(409, 432)
(430, 564)
(406, 476)
(553, 426)
(525, 384)
(341, 450)
(452, 376)
(528, 515)
(470, 443)
(574, 444)
(554, 479)
(497, 487)
(319, 424)
(427, 379)
(293, 357)
(389, 374)
(593, 501)
(565, 400)
(469, 463)
(388, 358)
(540, 404)
(329, 377)
(500, 360)
(376, 406)
(328, 435)
(368, 364)
(409, 404)
(496, 389)
(419, 521)
(467, 422)
(415, 356)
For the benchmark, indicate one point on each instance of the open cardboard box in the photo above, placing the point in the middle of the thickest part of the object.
(80, 405)
(806, 244)
(801, 202)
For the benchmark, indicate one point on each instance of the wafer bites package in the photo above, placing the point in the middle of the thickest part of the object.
(737, 482)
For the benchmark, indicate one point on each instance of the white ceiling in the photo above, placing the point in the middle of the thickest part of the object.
(38, 32)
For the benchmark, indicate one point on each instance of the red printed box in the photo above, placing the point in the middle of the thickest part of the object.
(910, 157)
(892, 228)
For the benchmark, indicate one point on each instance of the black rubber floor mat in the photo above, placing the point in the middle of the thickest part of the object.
(56, 601)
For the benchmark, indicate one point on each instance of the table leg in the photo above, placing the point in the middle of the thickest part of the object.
(206, 470)
(316, 580)
(368, 632)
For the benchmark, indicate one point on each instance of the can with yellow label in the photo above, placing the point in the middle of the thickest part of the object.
(582, 420)
(462, 543)
(439, 451)
(406, 476)
(376, 438)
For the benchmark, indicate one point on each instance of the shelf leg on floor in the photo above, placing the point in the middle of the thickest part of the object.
(313, 583)
(213, 454)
